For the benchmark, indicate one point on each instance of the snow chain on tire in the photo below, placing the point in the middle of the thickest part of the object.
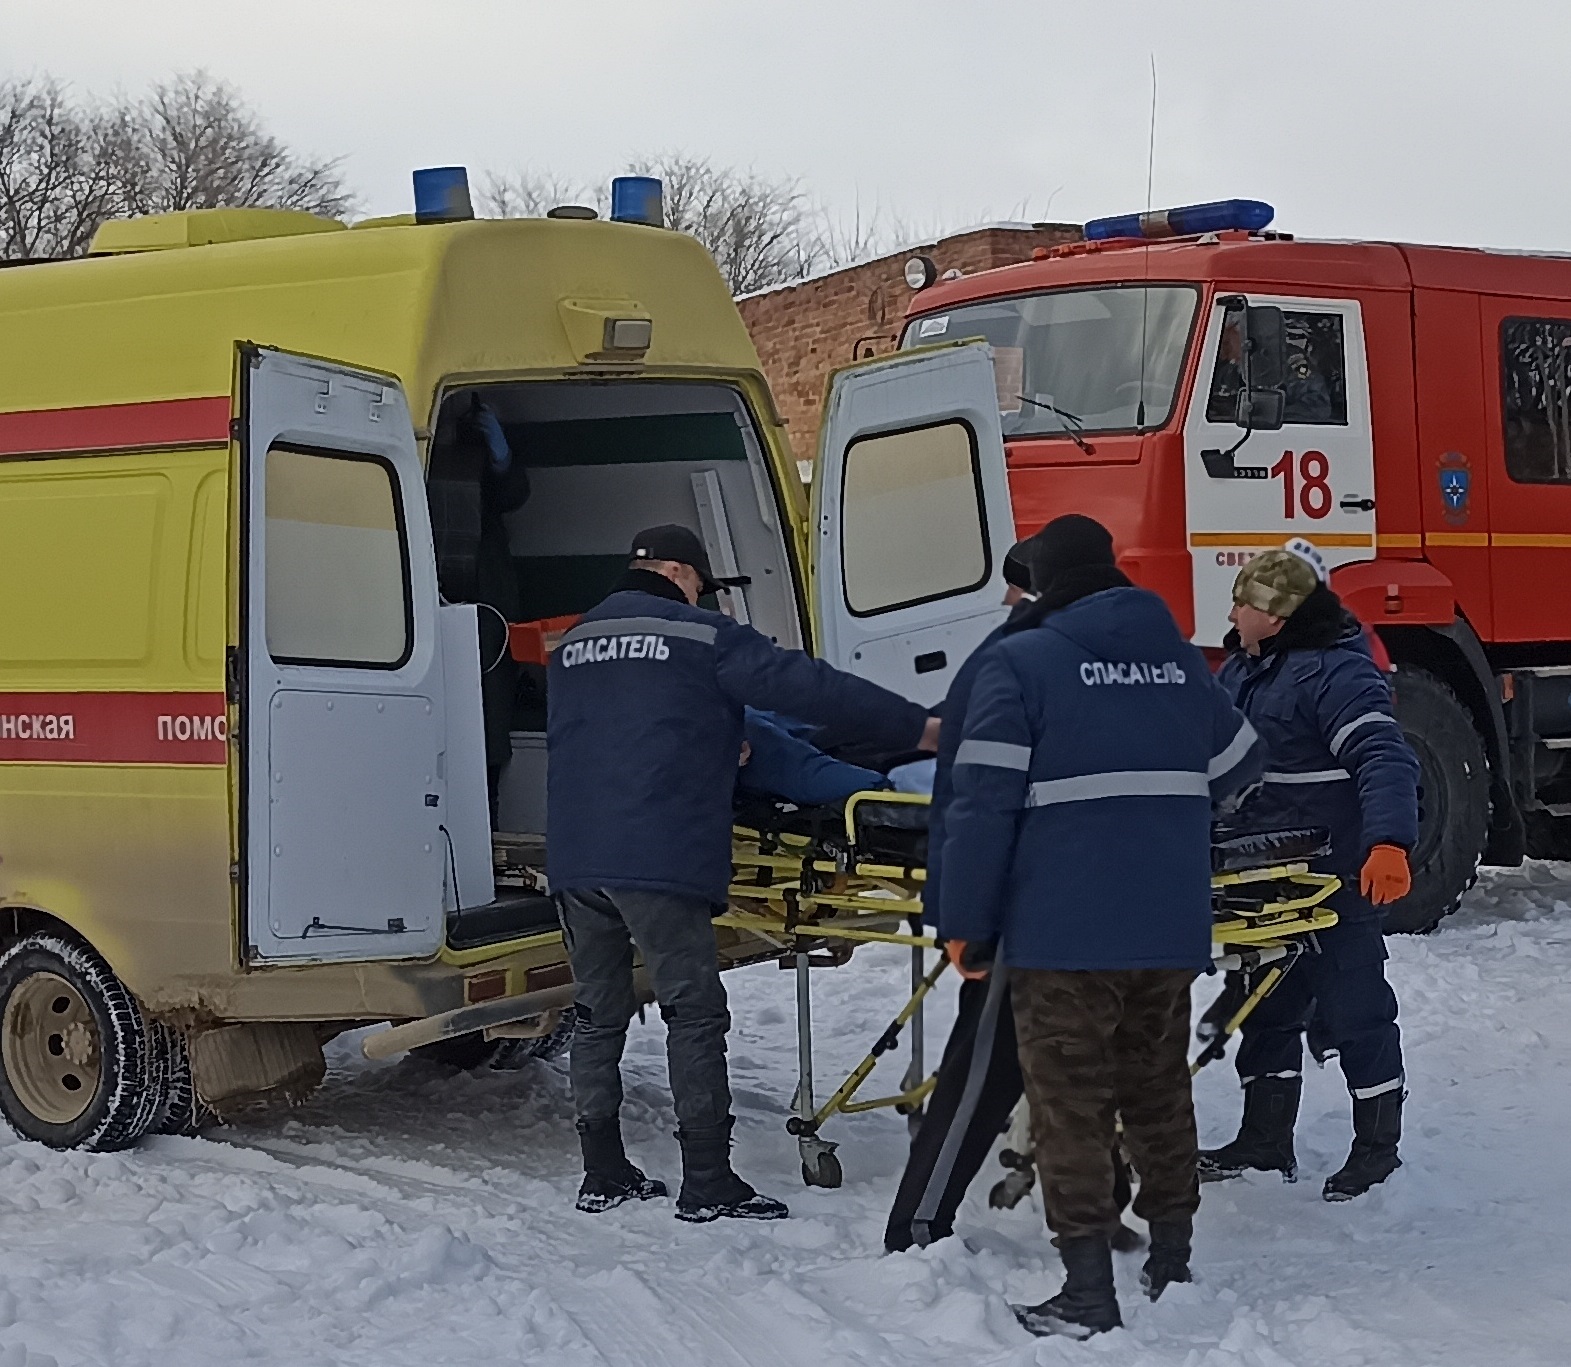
(132, 1091)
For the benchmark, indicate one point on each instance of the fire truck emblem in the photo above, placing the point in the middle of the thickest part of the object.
(1456, 487)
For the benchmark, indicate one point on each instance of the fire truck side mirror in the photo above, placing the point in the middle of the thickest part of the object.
(1265, 347)
(1260, 410)
(1261, 398)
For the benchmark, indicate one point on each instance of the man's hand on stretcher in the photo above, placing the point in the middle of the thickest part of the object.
(929, 741)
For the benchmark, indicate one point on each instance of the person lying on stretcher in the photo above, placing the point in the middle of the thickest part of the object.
(778, 763)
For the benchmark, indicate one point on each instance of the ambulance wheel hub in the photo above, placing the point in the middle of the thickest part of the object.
(51, 1048)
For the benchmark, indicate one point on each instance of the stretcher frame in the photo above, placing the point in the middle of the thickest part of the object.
(804, 896)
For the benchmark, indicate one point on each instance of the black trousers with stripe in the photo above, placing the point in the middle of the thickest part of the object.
(979, 1085)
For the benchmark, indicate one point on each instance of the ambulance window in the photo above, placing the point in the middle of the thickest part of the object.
(337, 564)
(912, 522)
(1316, 387)
(1535, 366)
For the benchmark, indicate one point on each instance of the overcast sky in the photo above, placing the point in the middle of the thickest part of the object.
(1427, 120)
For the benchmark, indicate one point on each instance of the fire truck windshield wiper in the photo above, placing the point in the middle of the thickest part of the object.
(1073, 433)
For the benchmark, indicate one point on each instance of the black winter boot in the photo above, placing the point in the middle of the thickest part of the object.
(609, 1179)
(1169, 1258)
(710, 1189)
(1265, 1139)
(1088, 1304)
(1377, 1127)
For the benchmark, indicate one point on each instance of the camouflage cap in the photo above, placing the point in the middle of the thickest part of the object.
(1276, 581)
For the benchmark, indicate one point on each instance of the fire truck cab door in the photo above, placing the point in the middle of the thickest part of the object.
(338, 675)
(911, 517)
(1314, 478)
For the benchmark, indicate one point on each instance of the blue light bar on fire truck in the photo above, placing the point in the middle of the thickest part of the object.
(1190, 220)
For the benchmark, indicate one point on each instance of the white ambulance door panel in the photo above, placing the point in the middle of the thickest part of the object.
(911, 517)
(1314, 478)
(340, 674)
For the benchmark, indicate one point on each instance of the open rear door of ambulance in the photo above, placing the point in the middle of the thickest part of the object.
(337, 676)
(911, 517)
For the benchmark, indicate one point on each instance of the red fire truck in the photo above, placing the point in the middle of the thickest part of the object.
(1208, 388)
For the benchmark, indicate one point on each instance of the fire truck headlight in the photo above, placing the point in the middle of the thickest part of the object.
(920, 272)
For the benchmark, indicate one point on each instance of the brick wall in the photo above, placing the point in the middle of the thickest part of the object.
(804, 331)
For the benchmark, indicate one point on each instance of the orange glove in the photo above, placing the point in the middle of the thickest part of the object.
(1386, 876)
(956, 949)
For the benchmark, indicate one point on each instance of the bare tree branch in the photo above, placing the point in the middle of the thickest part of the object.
(531, 194)
(55, 188)
(192, 143)
(760, 231)
(197, 145)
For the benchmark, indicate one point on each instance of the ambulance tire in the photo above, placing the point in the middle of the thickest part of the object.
(80, 1066)
(184, 1111)
(1453, 801)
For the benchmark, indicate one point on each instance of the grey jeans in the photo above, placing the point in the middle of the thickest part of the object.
(677, 941)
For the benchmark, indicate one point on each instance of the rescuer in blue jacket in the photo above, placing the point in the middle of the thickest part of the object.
(1078, 847)
(1300, 669)
(978, 1084)
(644, 735)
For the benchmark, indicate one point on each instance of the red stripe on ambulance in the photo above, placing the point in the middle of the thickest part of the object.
(115, 427)
(113, 728)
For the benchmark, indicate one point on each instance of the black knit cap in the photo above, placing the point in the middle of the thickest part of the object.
(1068, 543)
(1017, 564)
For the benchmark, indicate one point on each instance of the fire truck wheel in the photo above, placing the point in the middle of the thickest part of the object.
(1453, 801)
(80, 1066)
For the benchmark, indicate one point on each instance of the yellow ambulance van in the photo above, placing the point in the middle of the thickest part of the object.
(244, 794)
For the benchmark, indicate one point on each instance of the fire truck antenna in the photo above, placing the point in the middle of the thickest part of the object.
(1145, 292)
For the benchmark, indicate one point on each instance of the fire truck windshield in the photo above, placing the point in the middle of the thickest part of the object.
(1069, 361)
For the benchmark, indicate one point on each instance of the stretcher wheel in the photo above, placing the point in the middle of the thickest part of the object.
(822, 1170)
(1014, 1188)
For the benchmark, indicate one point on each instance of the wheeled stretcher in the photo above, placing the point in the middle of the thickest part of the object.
(811, 884)
(815, 883)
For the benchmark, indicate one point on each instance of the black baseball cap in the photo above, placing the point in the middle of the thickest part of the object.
(672, 541)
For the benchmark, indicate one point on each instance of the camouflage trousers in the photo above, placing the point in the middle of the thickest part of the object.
(1096, 1047)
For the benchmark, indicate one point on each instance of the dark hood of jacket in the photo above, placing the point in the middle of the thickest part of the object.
(1067, 587)
(1120, 622)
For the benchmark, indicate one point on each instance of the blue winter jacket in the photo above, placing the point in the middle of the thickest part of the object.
(1335, 753)
(952, 713)
(785, 765)
(1079, 834)
(644, 733)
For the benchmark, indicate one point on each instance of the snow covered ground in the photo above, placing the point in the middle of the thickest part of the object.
(405, 1216)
